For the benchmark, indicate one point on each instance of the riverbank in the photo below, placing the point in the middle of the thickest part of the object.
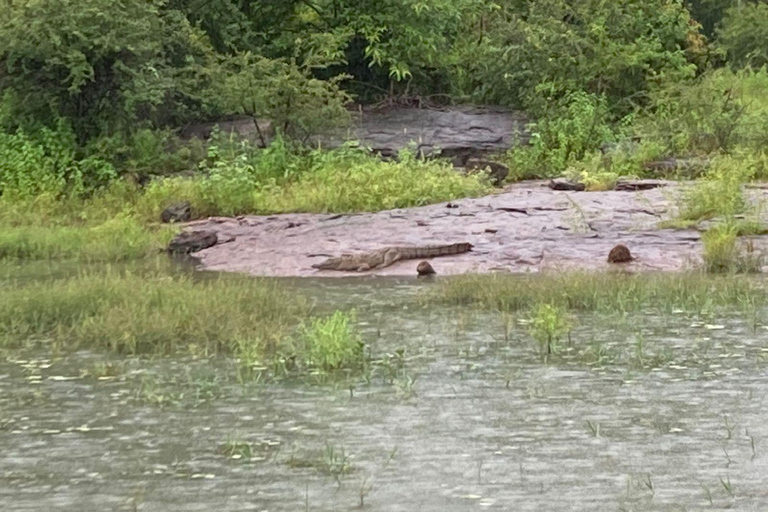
(527, 227)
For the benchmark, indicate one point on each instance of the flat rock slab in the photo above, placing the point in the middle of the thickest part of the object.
(524, 228)
(462, 131)
(459, 132)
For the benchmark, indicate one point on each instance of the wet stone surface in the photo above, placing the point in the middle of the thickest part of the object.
(527, 227)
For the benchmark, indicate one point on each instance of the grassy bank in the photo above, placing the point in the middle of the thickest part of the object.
(599, 292)
(151, 314)
(120, 221)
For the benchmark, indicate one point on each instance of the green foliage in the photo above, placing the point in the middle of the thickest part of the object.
(743, 34)
(45, 162)
(719, 111)
(720, 251)
(297, 104)
(352, 180)
(535, 53)
(102, 65)
(332, 343)
(567, 134)
(719, 193)
(548, 325)
(280, 180)
(118, 239)
(723, 254)
(132, 313)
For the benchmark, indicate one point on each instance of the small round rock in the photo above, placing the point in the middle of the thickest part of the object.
(425, 269)
(620, 254)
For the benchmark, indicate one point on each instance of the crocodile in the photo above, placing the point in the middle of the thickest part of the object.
(385, 257)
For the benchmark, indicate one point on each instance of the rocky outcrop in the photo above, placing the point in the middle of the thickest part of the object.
(496, 172)
(459, 133)
(425, 269)
(525, 228)
(189, 242)
(564, 184)
(179, 212)
(241, 127)
(620, 254)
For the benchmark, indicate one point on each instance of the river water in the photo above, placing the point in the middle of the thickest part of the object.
(643, 413)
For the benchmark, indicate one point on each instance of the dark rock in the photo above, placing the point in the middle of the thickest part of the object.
(670, 165)
(634, 185)
(188, 242)
(497, 172)
(425, 269)
(242, 127)
(458, 133)
(179, 212)
(563, 184)
(620, 254)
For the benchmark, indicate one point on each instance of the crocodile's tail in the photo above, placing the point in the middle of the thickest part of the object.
(431, 251)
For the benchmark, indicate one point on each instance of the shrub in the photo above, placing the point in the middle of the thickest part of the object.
(723, 254)
(566, 135)
(45, 162)
(548, 325)
(719, 111)
(743, 34)
(720, 192)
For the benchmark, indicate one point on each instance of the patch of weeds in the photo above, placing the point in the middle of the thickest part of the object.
(720, 193)
(188, 390)
(237, 449)
(597, 354)
(405, 385)
(640, 358)
(118, 239)
(333, 343)
(723, 254)
(592, 172)
(548, 325)
(331, 461)
(104, 370)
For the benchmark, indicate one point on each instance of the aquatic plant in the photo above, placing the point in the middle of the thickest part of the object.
(332, 343)
(548, 324)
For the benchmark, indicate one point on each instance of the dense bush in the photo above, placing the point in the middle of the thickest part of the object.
(744, 33)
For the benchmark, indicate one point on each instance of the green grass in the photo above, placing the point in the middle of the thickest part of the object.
(333, 343)
(153, 313)
(118, 239)
(119, 222)
(599, 292)
(722, 252)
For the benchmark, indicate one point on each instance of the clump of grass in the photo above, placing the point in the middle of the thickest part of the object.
(720, 251)
(548, 325)
(332, 461)
(723, 254)
(151, 314)
(236, 448)
(332, 343)
(600, 292)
